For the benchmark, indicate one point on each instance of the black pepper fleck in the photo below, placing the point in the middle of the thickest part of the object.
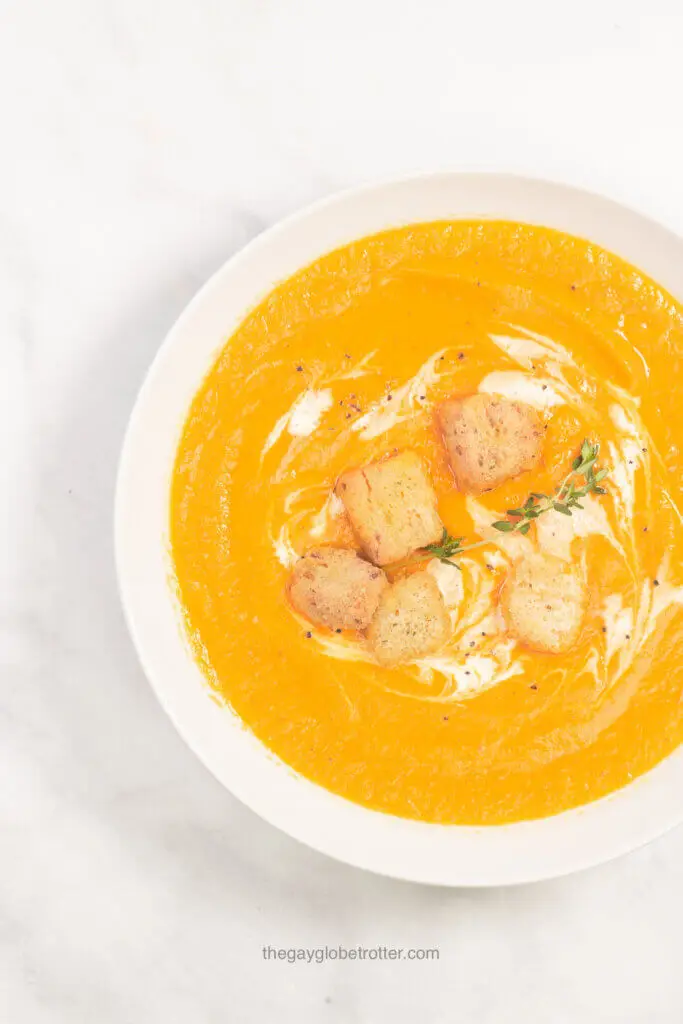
(655, 583)
(337, 630)
(573, 287)
(461, 355)
(299, 369)
(308, 636)
(445, 718)
(533, 686)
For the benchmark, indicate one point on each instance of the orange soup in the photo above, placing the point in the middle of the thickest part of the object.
(346, 362)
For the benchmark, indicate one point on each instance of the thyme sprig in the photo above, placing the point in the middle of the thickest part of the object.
(445, 549)
(563, 499)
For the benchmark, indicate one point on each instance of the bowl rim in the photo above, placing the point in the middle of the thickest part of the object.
(452, 855)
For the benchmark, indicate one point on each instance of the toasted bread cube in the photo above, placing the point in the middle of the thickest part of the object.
(544, 602)
(333, 587)
(489, 439)
(411, 621)
(392, 507)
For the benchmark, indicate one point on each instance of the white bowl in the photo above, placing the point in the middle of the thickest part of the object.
(444, 855)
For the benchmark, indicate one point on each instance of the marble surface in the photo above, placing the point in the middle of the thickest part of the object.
(143, 142)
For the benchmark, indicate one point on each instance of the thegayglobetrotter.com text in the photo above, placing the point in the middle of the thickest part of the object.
(319, 954)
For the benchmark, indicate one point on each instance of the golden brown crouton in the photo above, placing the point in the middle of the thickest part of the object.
(333, 587)
(411, 621)
(392, 507)
(544, 601)
(489, 440)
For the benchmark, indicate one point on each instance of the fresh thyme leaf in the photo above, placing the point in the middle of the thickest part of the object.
(504, 526)
(446, 547)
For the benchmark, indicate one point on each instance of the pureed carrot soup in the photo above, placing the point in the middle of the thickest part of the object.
(349, 362)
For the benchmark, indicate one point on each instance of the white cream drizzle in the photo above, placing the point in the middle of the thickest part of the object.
(626, 458)
(361, 369)
(322, 521)
(526, 348)
(449, 582)
(302, 418)
(283, 549)
(628, 628)
(307, 411)
(405, 400)
(538, 392)
(471, 677)
(477, 656)
(556, 534)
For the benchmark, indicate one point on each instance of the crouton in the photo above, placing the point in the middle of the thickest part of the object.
(392, 507)
(333, 587)
(411, 621)
(544, 601)
(489, 440)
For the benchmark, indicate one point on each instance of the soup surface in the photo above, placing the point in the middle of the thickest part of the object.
(343, 363)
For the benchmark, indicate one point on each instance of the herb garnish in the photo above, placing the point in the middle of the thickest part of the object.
(445, 549)
(564, 499)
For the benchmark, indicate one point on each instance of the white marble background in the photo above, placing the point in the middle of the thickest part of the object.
(141, 143)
